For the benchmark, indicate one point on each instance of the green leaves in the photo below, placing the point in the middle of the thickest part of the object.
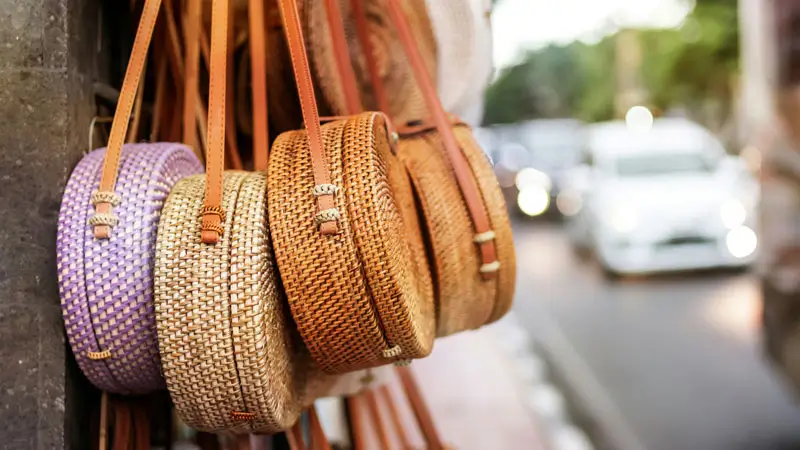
(692, 67)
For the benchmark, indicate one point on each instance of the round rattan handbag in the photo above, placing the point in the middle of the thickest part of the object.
(232, 359)
(465, 218)
(105, 257)
(345, 229)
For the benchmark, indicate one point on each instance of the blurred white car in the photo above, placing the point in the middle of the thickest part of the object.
(661, 199)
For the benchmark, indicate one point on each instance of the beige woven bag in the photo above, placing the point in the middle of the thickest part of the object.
(232, 359)
(345, 229)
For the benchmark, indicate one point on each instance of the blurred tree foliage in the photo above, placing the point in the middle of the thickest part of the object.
(692, 67)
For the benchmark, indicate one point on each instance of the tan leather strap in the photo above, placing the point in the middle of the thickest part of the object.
(362, 31)
(133, 131)
(258, 68)
(358, 429)
(193, 24)
(102, 440)
(295, 437)
(394, 413)
(344, 65)
(231, 139)
(176, 63)
(122, 115)
(123, 426)
(319, 441)
(308, 104)
(160, 95)
(234, 160)
(141, 425)
(421, 412)
(464, 176)
(377, 418)
(213, 214)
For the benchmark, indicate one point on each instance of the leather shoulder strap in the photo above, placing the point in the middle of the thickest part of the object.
(213, 214)
(194, 22)
(362, 30)
(484, 237)
(123, 426)
(323, 189)
(421, 412)
(295, 437)
(103, 218)
(394, 413)
(342, 56)
(319, 441)
(258, 66)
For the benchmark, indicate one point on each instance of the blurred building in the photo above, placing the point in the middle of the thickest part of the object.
(770, 116)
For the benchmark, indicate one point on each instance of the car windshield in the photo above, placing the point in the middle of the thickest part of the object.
(662, 164)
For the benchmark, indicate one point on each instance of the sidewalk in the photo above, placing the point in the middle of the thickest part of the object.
(474, 391)
(486, 389)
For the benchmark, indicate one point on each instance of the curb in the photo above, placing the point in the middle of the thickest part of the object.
(546, 403)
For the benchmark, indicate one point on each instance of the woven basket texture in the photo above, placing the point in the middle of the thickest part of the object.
(405, 98)
(227, 341)
(359, 293)
(464, 299)
(106, 285)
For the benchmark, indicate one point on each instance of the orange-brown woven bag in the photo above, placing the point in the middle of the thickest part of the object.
(465, 217)
(345, 233)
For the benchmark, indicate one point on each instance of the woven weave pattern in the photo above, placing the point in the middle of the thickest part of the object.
(106, 285)
(464, 300)
(232, 358)
(405, 98)
(356, 294)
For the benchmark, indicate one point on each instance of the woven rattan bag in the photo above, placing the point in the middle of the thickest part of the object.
(105, 253)
(345, 230)
(232, 359)
(467, 227)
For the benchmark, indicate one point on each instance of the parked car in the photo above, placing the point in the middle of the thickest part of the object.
(551, 147)
(662, 199)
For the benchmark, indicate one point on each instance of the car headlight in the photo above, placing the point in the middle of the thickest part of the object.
(533, 200)
(623, 219)
(733, 214)
(569, 202)
(741, 242)
(529, 177)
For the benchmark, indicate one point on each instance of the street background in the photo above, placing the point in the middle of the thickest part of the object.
(658, 339)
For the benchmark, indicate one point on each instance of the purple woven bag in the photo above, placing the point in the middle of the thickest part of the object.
(106, 285)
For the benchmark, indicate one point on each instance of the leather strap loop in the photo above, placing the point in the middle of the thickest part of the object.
(342, 56)
(215, 159)
(258, 67)
(122, 115)
(308, 104)
(463, 173)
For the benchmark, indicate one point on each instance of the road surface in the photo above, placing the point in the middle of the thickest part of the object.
(670, 363)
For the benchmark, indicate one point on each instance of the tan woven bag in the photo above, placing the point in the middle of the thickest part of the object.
(465, 217)
(345, 232)
(232, 359)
